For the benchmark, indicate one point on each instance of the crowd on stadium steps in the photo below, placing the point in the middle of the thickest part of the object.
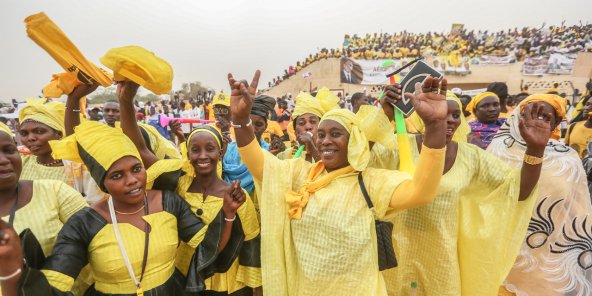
(313, 194)
(519, 43)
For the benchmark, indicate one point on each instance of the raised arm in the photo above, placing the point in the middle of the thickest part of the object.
(241, 102)
(535, 129)
(72, 117)
(126, 91)
(429, 101)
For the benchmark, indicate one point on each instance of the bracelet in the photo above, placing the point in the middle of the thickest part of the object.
(73, 110)
(532, 160)
(230, 220)
(5, 278)
(240, 126)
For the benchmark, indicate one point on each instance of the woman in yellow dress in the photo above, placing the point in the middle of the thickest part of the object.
(41, 122)
(37, 209)
(580, 133)
(314, 217)
(450, 247)
(200, 185)
(130, 240)
(307, 114)
(555, 256)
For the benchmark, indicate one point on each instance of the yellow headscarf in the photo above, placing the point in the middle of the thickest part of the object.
(324, 101)
(96, 145)
(461, 133)
(478, 98)
(51, 114)
(555, 101)
(221, 99)
(140, 66)
(161, 147)
(6, 129)
(376, 126)
(358, 151)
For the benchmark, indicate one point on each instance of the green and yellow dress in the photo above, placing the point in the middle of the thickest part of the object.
(466, 241)
(244, 273)
(87, 238)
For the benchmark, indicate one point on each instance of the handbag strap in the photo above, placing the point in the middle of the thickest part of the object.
(126, 260)
(366, 195)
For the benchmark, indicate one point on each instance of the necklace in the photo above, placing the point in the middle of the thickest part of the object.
(50, 163)
(135, 212)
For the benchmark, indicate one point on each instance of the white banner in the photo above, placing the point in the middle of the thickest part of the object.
(369, 72)
(494, 60)
(554, 64)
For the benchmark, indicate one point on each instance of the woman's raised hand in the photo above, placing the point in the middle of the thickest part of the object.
(241, 97)
(429, 100)
(535, 127)
(126, 90)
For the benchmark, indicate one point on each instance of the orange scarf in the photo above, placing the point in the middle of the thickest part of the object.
(298, 200)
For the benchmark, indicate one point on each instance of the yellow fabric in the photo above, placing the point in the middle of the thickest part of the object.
(477, 99)
(376, 126)
(60, 84)
(50, 113)
(140, 66)
(461, 133)
(162, 147)
(578, 137)
(221, 99)
(204, 130)
(563, 202)
(323, 102)
(6, 129)
(358, 152)
(313, 183)
(450, 247)
(306, 256)
(309, 256)
(160, 167)
(237, 276)
(74, 174)
(51, 205)
(273, 128)
(48, 36)
(104, 143)
(555, 101)
(111, 275)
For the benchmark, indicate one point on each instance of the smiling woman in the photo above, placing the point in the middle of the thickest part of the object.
(315, 216)
(130, 240)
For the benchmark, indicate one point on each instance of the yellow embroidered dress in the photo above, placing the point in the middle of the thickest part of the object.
(245, 269)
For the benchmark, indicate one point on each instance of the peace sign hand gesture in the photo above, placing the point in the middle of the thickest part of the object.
(429, 100)
(241, 97)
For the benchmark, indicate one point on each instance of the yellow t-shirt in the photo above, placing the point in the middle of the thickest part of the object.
(578, 137)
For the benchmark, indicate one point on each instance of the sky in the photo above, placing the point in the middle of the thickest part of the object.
(204, 40)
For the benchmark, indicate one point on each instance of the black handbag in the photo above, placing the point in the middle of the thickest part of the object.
(384, 234)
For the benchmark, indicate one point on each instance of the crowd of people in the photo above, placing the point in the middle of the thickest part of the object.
(301, 195)
(518, 43)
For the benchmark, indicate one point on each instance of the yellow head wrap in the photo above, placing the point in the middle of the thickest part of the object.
(555, 101)
(161, 147)
(96, 145)
(221, 99)
(324, 101)
(478, 98)
(376, 126)
(51, 114)
(358, 151)
(140, 66)
(6, 129)
(202, 128)
(461, 133)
